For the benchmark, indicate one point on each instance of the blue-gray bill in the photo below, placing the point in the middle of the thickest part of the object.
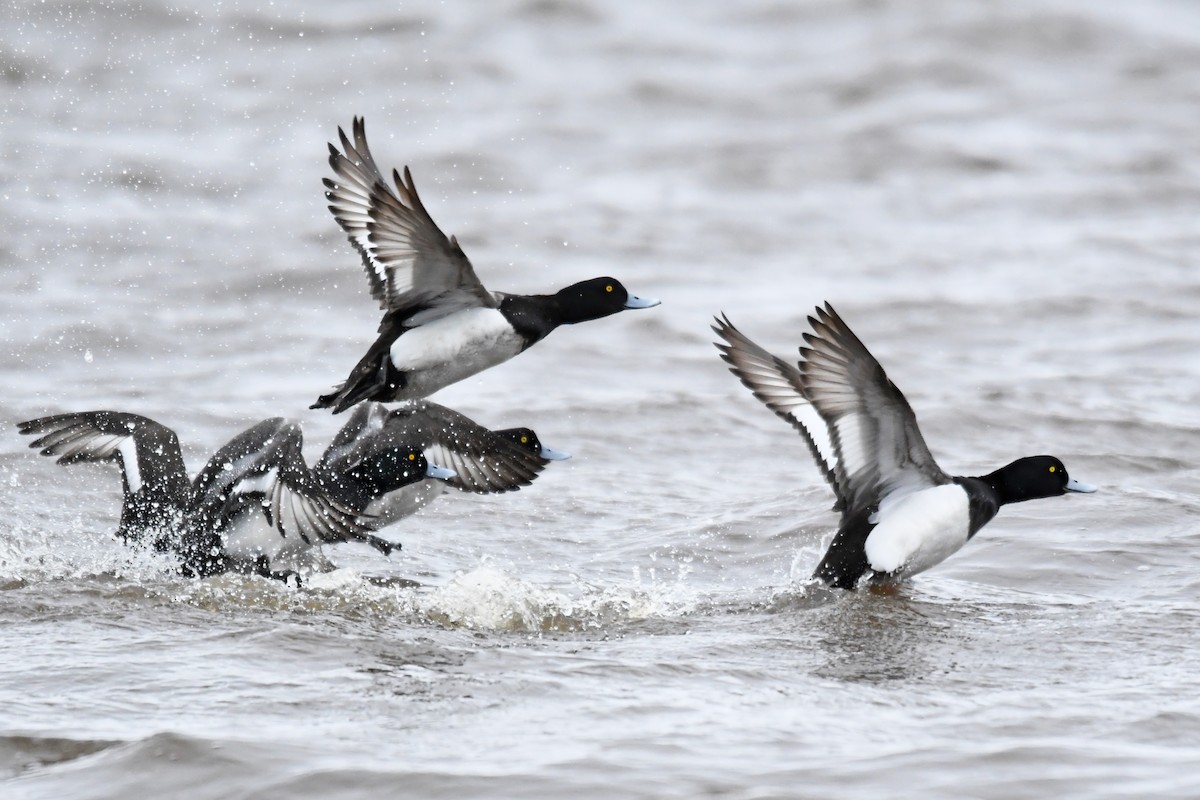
(553, 455)
(641, 302)
(434, 471)
(1079, 486)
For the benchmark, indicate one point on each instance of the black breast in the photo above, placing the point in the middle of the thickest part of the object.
(532, 316)
(983, 502)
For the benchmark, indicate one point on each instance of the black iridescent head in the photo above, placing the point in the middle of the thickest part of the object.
(389, 469)
(599, 297)
(528, 440)
(524, 437)
(1034, 477)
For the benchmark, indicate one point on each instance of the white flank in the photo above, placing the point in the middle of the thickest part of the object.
(453, 337)
(919, 530)
(129, 461)
(398, 504)
(454, 347)
(249, 536)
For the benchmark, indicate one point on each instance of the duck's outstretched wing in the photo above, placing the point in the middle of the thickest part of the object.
(265, 466)
(880, 450)
(152, 469)
(365, 422)
(484, 460)
(412, 267)
(777, 384)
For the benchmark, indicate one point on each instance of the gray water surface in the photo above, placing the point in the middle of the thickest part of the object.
(1001, 199)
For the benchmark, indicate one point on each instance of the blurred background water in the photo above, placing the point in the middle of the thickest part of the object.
(1001, 199)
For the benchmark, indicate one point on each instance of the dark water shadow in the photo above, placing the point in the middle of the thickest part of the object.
(20, 754)
(875, 635)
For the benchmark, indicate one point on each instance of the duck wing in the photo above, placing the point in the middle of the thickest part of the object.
(152, 469)
(365, 422)
(412, 266)
(880, 450)
(265, 465)
(778, 385)
(147, 452)
(485, 461)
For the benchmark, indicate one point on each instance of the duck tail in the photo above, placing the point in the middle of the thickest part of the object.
(373, 378)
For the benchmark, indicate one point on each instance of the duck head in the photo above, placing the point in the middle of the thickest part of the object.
(1032, 478)
(596, 298)
(528, 440)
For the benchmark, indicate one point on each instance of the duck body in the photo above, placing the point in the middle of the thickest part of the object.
(915, 532)
(901, 513)
(407, 363)
(254, 508)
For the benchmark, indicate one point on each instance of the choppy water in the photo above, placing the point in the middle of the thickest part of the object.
(1001, 199)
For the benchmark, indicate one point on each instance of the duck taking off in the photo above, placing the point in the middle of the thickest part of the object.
(901, 513)
(484, 461)
(440, 325)
(255, 506)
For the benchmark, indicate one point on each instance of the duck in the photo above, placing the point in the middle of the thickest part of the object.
(440, 324)
(901, 513)
(484, 461)
(255, 507)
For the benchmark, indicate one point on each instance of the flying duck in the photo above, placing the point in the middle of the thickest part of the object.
(440, 325)
(901, 513)
(484, 461)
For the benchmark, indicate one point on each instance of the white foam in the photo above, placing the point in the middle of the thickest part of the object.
(490, 599)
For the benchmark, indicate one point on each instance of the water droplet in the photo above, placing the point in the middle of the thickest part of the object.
(87, 356)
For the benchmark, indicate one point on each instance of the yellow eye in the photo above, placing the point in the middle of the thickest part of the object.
(524, 440)
(412, 456)
(608, 288)
(1053, 468)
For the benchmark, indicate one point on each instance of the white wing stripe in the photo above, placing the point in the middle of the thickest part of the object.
(127, 447)
(777, 384)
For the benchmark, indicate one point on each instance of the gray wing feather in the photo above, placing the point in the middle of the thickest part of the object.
(777, 384)
(94, 435)
(873, 428)
(410, 263)
(484, 461)
(266, 464)
(154, 460)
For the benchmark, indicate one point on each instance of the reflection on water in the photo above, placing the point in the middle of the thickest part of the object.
(878, 637)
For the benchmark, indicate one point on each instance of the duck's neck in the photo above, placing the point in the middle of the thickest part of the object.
(534, 315)
(983, 501)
